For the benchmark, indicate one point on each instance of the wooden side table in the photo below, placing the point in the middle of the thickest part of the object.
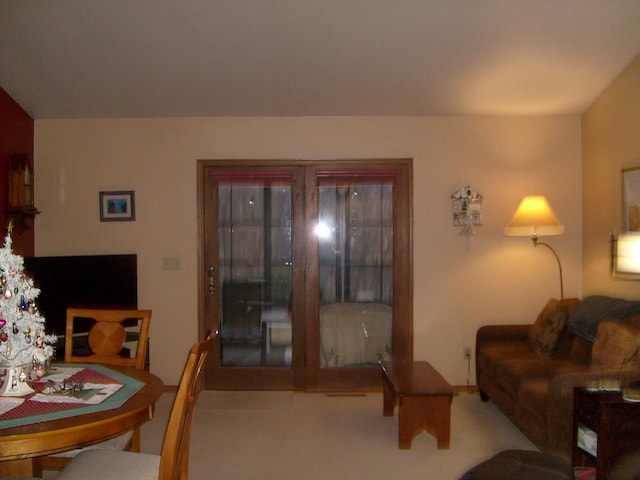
(615, 423)
(423, 397)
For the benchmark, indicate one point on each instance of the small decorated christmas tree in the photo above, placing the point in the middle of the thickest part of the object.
(25, 349)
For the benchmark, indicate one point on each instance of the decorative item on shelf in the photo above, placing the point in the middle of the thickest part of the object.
(25, 348)
(467, 211)
(625, 255)
(534, 218)
(20, 205)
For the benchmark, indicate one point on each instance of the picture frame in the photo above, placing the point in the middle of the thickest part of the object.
(631, 199)
(117, 206)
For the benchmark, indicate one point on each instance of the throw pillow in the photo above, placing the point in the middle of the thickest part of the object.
(616, 347)
(545, 333)
(551, 305)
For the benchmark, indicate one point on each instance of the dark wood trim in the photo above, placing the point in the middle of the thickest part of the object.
(403, 258)
(298, 281)
(312, 338)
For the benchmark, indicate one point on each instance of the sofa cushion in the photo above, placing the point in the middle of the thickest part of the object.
(532, 396)
(511, 373)
(616, 347)
(586, 315)
(490, 356)
(550, 326)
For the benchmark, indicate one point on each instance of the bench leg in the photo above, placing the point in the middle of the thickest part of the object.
(417, 414)
(388, 398)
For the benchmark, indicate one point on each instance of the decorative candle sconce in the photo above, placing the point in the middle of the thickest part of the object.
(467, 211)
(20, 204)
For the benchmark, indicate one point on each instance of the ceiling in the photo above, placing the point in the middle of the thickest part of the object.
(154, 58)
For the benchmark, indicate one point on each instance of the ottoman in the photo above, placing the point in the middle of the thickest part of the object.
(521, 465)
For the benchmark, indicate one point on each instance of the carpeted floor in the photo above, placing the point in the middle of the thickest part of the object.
(285, 435)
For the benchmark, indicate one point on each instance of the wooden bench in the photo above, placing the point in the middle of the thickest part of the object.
(424, 399)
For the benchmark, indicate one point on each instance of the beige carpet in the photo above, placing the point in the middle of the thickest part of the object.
(286, 436)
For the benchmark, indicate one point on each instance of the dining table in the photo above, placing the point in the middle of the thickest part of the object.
(35, 429)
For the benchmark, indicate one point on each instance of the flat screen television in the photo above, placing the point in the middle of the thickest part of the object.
(83, 281)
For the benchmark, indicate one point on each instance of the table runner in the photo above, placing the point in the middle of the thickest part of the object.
(23, 411)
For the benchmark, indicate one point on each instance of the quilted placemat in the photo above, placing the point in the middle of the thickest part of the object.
(103, 389)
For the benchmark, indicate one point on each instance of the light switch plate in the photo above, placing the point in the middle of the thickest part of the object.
(171, 263)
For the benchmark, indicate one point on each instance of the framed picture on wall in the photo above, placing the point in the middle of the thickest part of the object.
(631, 199)
(117, 206)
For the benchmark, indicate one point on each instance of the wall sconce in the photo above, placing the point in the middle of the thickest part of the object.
(625, 255)
(20, 204)
(534, 218)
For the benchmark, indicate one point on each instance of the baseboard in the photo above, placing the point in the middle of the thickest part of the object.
(456, 388)
(465, 388)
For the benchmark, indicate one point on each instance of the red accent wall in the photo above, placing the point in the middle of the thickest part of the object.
(16, 136)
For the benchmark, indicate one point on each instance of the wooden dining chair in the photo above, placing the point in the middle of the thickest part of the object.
(94, 335)
(173, 461)
(107, 336)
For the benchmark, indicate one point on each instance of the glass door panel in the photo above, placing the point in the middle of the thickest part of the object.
(254, 272)
(355, 255)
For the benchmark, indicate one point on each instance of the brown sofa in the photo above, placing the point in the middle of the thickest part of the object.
(529, 371)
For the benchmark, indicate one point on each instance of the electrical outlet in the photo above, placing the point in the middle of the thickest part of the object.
(467, 353)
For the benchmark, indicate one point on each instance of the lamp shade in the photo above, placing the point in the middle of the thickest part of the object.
(534, 218)
(626, 255)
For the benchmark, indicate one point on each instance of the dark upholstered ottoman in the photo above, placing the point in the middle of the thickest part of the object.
(521, 465)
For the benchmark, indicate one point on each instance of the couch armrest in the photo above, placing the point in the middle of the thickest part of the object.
(560, 401)
(501, 333)
(488, 335)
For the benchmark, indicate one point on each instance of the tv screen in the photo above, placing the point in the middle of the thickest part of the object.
(84, 281)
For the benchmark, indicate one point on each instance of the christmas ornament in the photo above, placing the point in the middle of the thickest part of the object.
(25, 349)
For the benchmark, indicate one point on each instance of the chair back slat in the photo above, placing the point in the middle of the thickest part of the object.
(107, 336)
(174, 462)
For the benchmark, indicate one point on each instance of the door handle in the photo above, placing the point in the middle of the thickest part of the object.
(212, 284)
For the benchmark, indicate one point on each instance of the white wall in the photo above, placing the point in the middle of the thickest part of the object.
(499, 279)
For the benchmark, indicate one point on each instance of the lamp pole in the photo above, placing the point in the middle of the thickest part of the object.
(536, 242)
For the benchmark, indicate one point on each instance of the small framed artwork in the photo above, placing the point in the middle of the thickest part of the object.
(117, 206)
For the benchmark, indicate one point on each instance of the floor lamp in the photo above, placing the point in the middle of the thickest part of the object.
(534, 218)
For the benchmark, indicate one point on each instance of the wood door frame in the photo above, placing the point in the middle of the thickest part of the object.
(304, 374)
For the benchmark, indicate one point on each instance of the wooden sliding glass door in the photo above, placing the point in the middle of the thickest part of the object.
(305, 271)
